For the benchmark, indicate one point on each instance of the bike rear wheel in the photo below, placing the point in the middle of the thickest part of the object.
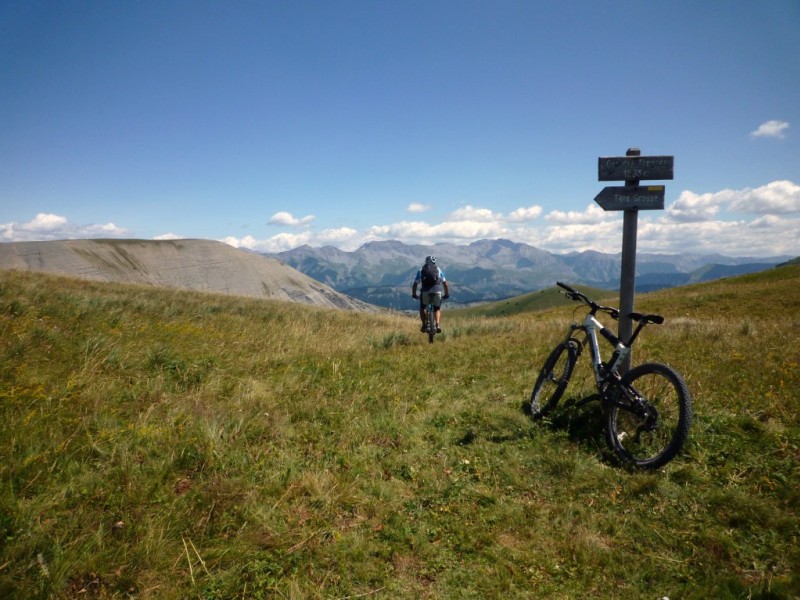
(648, 423)
(553, 379)
(431, 324)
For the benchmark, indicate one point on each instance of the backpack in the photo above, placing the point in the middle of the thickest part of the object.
(430, 275)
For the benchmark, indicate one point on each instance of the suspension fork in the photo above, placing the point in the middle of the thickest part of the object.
(576, 343)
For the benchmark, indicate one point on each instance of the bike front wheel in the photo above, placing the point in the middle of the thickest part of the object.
(553, 379)
(649, 415)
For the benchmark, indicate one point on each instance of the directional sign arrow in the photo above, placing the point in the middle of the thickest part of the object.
(622, 168)
(640, 197)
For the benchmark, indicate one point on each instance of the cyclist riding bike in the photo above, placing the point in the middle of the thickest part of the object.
(434, 289)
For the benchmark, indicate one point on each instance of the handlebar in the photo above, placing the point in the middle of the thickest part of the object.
(574, 294)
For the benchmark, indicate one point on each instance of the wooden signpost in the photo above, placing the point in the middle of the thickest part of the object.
(623, 168)
(631, 198)
(637, 197)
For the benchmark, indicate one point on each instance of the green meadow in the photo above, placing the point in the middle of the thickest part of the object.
(164, 444)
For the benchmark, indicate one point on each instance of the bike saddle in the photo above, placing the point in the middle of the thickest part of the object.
(657, 319)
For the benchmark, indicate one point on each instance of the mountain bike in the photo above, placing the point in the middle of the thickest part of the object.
(430, 321)
(647, 410)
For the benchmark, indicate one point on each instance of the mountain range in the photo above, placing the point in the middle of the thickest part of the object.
(378, 274)
(381, 273)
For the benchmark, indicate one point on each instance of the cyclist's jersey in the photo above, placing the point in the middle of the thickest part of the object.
(436, 287)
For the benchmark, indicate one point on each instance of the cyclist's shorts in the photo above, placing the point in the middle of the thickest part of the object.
(434, 298)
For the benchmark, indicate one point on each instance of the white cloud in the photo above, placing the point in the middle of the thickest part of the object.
(766, 236)
(591, 215)
(468, 230)
(46, 222)
(773, 129)
(425, 233)
(248, 242)
(702, 223)
(522, 215)
(691, 207)
(416, 207)
(283, 241)
(47, 226)
(336, 237)
(276, 243)
(287, 219)
(602, 236)
(761, 221)
(168, 236)
(470, 213)
(768, 222)
(778, 197)
(342, 237)
(485, 215)
(402, 231)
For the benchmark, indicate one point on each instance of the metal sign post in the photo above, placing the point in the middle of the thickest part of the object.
(632, 198)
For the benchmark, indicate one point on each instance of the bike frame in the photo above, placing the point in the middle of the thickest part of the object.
(590, 327)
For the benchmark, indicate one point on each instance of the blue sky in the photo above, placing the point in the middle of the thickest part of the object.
(274, 124)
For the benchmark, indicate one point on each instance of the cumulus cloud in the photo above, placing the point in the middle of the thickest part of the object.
(471, 213)
(337, 236)
(691, 207)
(289, 220)
(46, 222)
(760, 221)
(703, 223)
(463, 225)
(778, 197)
(765, 236)
(713, 222)
(771, 129)
(276, 243)
(416, 207)
(247, 241)
(342, 237)
(47, 226)
(601, 236)
(523, 215)
(592, 215)
(458, 231)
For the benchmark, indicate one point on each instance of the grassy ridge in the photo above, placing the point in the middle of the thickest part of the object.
(161, 444)
(534, 301)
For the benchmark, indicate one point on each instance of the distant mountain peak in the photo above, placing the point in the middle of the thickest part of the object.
(490, 269)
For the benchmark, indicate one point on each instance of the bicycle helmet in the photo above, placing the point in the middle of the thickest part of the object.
(430, 259)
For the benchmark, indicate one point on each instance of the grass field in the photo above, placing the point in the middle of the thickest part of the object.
(160, 444)
(534, 301)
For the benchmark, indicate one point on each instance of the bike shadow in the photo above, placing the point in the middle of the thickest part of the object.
(583, 422)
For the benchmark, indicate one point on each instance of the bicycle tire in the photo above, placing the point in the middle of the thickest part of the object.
(431, 324)
(553, 379)
(650, 443)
